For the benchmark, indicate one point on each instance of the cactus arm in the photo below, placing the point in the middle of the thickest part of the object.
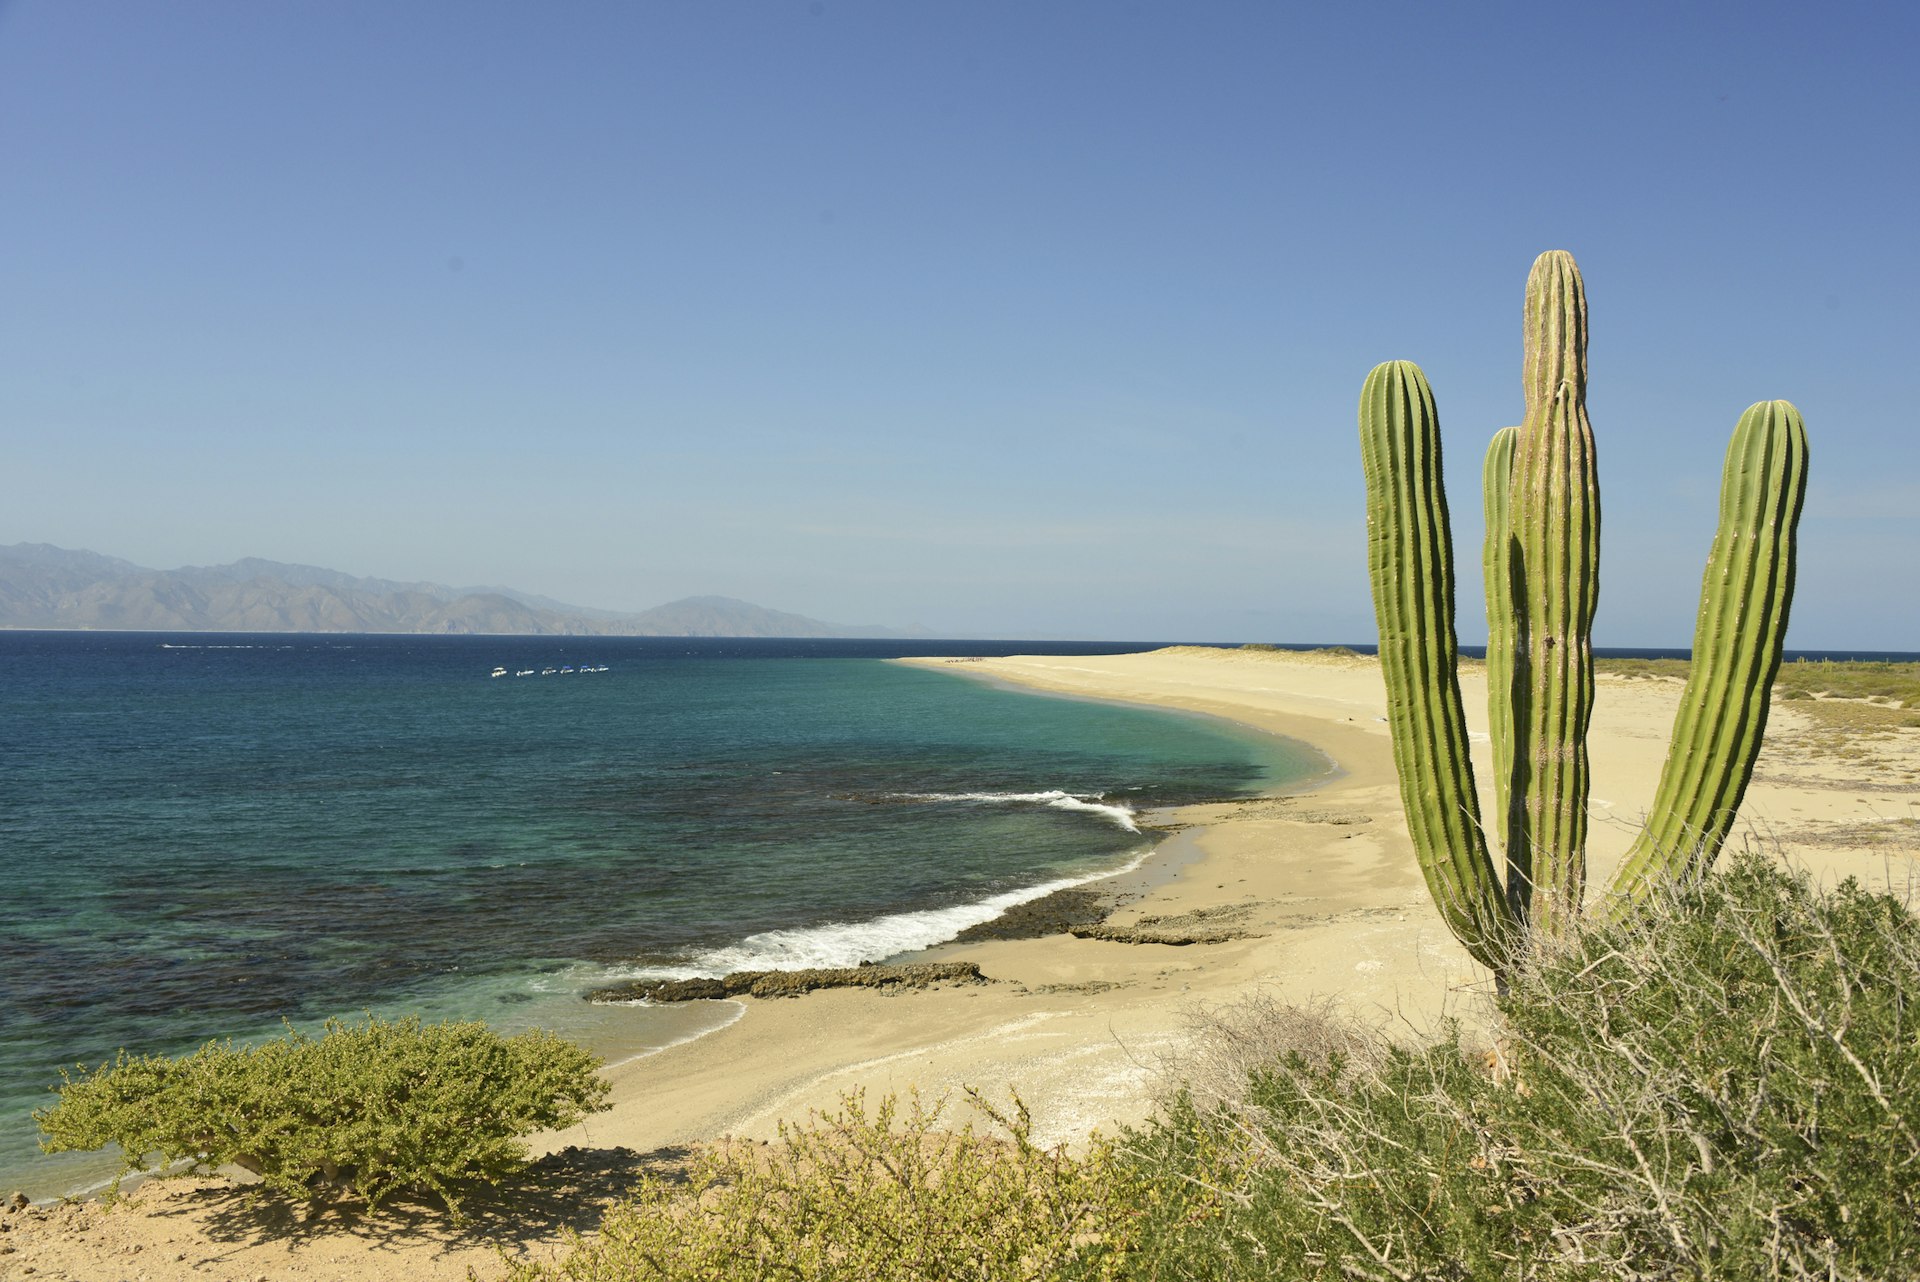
(1410, 562)
(1556, 523)
(1497, 565)
(1736, 652)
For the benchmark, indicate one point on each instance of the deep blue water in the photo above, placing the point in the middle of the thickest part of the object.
(203, 835)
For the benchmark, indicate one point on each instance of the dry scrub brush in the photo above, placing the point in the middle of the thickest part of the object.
(882, 1196)
(1229, 1048)
(1727, 1086)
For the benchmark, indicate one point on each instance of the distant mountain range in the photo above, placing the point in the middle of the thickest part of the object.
(42, 586)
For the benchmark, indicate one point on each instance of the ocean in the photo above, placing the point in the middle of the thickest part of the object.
(203, 836)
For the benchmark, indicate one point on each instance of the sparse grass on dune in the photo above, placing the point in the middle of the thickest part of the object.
(1885, 684)
(1888, 685)
(1648, 669)
(1264, 647)
(1844, 704)
(1839, 719)
(1326, 653)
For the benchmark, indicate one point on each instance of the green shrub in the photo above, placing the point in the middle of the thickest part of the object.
(878, 1197)
(378, 1105)
(1745, 1064)
(1728, 1087)
(1336, 1170)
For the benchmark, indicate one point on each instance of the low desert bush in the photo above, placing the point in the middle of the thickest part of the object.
(377, 1105)
(881, 1196)
(1727, 1086)
(1386, 1169)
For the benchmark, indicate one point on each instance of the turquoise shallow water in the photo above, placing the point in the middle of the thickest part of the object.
(203, 836)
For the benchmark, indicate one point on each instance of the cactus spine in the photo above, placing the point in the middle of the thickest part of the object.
(1541, 561)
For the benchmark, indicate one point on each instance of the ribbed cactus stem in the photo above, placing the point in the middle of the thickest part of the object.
(1556, 522)
(1410, 561)
(1737, 641)
(1542, 565)
(1503, 629)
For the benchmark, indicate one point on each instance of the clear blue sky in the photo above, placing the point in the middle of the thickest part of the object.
(1012, 319)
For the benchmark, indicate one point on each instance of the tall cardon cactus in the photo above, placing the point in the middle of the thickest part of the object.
(1542, 567)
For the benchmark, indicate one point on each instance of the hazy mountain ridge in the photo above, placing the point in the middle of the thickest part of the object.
(42, 586)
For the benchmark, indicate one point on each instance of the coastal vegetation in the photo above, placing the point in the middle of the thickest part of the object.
(882, 1195)
(1891, 684)
(1542, 573)
(1887, 684)
(377, 1106)
(1723, 1084)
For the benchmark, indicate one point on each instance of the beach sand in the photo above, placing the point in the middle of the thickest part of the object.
(1318, 889)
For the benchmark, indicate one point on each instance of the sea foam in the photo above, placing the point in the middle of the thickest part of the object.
(852, 943)
(1119, 815)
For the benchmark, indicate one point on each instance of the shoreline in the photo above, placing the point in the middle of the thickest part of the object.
(1314, 892)
(1083, 1029)
(1060, 1005)
(603, 1031)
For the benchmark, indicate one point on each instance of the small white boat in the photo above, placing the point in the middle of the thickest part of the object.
(498, 672)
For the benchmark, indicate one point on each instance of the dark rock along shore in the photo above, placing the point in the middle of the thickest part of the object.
(1077, 911)
(792, 983)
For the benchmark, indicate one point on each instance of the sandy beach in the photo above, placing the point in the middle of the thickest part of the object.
(1309, 895)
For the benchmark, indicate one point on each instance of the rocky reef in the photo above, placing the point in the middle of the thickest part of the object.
(792, 983)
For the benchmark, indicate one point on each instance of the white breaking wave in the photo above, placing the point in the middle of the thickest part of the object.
(1096, 805)
(850, 943)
